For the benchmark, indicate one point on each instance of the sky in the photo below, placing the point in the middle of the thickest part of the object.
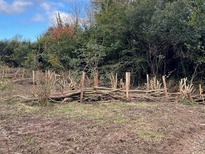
(29, 19)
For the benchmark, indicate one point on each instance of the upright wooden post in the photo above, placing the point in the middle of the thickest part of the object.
(148, 83)
(96, 81)
(23, 72)
(200, 90)
(3, 73)
(33, 72)
(115, 81)
(127, 77)
(82, 86)
(165, 86)
(6, 70)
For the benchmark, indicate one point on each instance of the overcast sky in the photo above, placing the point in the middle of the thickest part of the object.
(31, 18)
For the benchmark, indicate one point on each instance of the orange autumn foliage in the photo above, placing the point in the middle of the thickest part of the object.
(56, 32)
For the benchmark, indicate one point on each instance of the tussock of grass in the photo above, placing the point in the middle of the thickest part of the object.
(95, 111)
(139, 104)
(151, 135)
(79, 110)
(16, 108)
(104, 113)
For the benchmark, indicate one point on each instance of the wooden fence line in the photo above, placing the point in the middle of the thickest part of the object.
(82, 92)
(82, 86)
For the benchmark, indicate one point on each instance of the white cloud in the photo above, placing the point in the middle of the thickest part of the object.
(46, 6)
(17, 6)
(51, 6)
(38, 18)
(67, 18)
(50, 9)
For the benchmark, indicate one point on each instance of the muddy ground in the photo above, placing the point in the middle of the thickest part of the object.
(102, 128)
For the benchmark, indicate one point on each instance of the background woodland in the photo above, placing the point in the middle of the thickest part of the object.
(157, 37)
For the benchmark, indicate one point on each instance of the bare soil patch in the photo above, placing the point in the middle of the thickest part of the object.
(102, 128)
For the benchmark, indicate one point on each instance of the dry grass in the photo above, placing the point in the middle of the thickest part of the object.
(115, 127)
(104, 111)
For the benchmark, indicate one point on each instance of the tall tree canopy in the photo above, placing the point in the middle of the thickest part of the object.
(141, 36)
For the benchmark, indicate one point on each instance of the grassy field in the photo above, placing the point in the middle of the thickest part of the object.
(115, 127)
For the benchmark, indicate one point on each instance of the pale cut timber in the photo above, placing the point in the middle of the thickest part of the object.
(82, 86)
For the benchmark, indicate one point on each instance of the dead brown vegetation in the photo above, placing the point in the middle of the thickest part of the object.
(49, 86)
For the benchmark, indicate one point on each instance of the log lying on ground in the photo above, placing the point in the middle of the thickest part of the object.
(89, 94)
(134, 90)
(23, 80)
(117, 94)
(199, 99)
(146, 91)
(103, 93)
(174, 94)
(64, 95)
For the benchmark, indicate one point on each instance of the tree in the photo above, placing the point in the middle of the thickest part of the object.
(14, 52)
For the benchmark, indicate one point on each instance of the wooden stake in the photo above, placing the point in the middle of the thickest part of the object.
(200, 89)
(148, 82)
(3, 73)
(165, 86)
(127, 77)
(115, 81)
(33, 72)
(96, 81)
(82, 87)
(23, 71)
(6, 70)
